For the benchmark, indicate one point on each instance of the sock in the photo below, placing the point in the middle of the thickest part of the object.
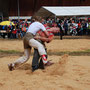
(13, 64)
(44, 59)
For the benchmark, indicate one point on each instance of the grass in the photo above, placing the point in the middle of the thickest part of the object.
(73, 53)
(10, 51)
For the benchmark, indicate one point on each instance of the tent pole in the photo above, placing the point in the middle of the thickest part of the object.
(55, 18)
(18, 10)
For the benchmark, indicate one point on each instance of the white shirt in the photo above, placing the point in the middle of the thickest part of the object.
(35, 27)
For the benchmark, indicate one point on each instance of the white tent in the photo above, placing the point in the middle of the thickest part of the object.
(51, 11)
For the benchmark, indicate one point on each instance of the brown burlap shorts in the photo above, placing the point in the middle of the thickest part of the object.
(26, 39)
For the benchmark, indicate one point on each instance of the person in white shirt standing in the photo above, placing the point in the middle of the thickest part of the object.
(30, 42)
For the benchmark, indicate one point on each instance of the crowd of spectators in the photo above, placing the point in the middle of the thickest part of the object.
(68, 26)
(72, 26)
(17, 30)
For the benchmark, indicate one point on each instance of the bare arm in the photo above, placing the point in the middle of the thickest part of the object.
(46, 33)
(44, 39)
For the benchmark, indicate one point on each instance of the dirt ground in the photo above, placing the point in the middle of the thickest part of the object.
(68, 72)
(56, 45)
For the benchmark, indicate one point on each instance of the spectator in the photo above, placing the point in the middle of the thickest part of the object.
(65, 26)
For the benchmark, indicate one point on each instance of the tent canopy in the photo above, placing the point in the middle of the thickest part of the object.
(52, 11)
